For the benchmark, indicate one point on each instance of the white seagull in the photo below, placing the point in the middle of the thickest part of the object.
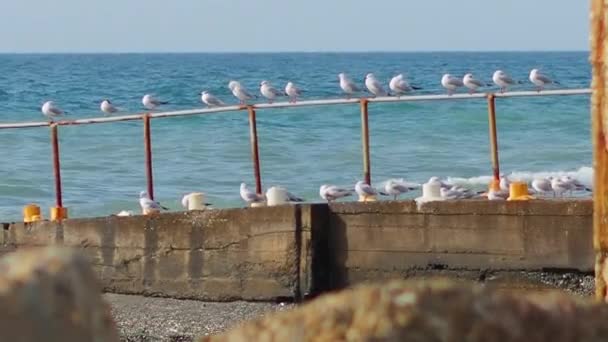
(502, 80)
(348, 86)
(292, 91)
(396, 187)
(365, 190)
(539, 79)
(50, 110)
(250, 196)
(239, 92)
(497, 195)
(542, 185)
(505, 183)
(210, 100)
(399, 85)
(186, 201)
(146, 203)
(107, 107)
(451, 83)
(559, 186)
(331, 192)
(152, 103)
(374, 86)
(268, 91)
(472, 83)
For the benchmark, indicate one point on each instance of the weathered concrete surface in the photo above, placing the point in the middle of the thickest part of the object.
(209, 255)
(386, 240)
(288, 251)
(430, 311)
(52, 295)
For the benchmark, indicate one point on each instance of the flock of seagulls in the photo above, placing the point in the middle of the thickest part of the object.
(558, 186)
(397, 86)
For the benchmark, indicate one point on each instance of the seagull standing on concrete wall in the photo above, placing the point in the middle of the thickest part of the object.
(147, 204)
(542, 185)
(396, 187)
(331, 193)
(250, 196)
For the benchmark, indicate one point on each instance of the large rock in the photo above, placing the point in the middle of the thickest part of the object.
(52, 295)
(430, 311)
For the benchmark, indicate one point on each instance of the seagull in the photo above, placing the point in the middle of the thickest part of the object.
(502, 80)
(472, 83)
(374, 86)
(542, 185)
(348, 86)
(146, 203)
(399, 85)
(365, 190)
(331, 192)
(559, 186)
(293, 198)
(451, 83)
(505, 183)
(574, 184)
(210, 100)
(186, 201)
(239, 92)
(107, 107)
(436, 180)
(268, 91)
(292, 91)
(250, 196)
(497, 195)
(394, 187)
(539, 79)
(50, 110)
(151, 103)
(450, 194)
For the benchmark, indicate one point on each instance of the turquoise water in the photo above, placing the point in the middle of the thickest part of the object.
(102, 165)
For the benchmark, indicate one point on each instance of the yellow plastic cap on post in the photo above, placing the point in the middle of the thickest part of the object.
(59, 213)
(518, 191)
(31, 213)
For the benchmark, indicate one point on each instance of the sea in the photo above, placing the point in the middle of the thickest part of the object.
(102, 165)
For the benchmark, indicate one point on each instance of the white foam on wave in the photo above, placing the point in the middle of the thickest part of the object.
(584, 175)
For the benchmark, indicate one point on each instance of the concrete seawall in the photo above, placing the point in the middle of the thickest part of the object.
(287, 251)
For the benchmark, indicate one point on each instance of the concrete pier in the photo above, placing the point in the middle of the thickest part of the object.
(288, 251)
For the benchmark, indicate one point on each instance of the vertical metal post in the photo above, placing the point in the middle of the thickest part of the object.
(599, 134)
(365, 141)
(255, 154)
(148, 152)
(56, 166)
(493, 136)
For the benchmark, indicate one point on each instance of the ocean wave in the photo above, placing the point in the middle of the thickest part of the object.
(584, 174)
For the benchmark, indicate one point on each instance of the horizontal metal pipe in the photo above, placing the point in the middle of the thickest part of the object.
(325, 102)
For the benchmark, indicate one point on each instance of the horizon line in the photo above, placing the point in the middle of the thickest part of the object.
(278, 52)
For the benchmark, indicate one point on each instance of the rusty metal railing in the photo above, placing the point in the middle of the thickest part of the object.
(364, 104)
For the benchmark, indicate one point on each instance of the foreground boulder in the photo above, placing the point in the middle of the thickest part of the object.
(52, 295)
(430, 311)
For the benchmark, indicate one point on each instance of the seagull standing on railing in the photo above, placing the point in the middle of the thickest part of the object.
(146, 203)
(399, 85)
(348, 86)
(331, 193)
(502, 80)
(50, 110)
(293, 92)
(451, 83)
(250, 196)
(268, 91)
(210, 100)
(239, 92)
(107, 107)
(472, 83)
(152, 103)
(540, 80)
(374, 86)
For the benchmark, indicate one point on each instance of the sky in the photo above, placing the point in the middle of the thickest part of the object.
(292, 25)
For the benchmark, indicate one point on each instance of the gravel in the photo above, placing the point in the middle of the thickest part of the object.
(161, 319)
